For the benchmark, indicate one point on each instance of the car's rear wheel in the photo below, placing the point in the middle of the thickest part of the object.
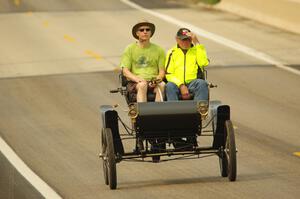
(223, 164)
(110, 160)
(104, 159)
(230, 151)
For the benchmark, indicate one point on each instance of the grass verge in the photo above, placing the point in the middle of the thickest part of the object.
(211, 2)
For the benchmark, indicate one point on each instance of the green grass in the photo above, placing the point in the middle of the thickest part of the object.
(212, 2)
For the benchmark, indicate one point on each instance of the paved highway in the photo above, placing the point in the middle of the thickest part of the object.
(57, 62)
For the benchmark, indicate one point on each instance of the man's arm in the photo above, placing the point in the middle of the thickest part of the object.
(202, 59)
(131, 76)
(170, 69)
(194, 38)
(161, 74)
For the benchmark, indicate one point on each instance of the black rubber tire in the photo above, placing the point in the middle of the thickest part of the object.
(111, 159)
(104, 159)
(223, 164)
(230, 151)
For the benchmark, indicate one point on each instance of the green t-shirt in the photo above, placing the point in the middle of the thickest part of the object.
(143, 62)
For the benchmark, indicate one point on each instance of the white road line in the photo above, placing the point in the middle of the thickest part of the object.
(27, 173)
(295, 1)
(214, 37)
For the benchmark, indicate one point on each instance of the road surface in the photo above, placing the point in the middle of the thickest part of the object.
(57, 62)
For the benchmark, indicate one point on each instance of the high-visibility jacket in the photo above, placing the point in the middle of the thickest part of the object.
(182, 68)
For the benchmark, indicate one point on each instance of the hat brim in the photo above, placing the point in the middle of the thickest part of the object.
(182, 37)
(138, 25)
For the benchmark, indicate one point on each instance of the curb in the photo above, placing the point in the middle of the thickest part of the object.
(274, 20)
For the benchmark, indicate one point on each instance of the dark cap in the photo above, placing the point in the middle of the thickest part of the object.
(182, 33)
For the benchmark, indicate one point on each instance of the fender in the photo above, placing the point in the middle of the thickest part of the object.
(222, 113)
(110, 120)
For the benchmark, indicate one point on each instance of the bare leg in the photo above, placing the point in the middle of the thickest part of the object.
(160, 95)
(141, 91)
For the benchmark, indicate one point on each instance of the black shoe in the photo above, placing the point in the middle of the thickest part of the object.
(140, 145)
(157, 146)
(184, 145)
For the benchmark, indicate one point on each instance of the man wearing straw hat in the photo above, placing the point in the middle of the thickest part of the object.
(143, 61)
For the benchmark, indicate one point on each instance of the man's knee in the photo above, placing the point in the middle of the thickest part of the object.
(142, 86)
(171, 86)
(172, 91)
(200, 89)
(200, 83)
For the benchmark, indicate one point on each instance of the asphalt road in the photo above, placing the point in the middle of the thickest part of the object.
(56, 68)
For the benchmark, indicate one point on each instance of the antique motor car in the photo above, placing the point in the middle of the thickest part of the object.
(164, 131)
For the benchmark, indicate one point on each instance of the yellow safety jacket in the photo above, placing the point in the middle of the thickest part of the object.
(183, 68)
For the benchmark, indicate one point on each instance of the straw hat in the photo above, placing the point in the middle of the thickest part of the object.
(143, 23)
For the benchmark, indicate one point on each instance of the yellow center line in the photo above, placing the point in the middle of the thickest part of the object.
(45, 24)
(93, 54)
(69, 38)
(17, 2)
(297, 154)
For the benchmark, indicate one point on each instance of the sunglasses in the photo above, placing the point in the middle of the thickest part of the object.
(143, 29)
(186, 39)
